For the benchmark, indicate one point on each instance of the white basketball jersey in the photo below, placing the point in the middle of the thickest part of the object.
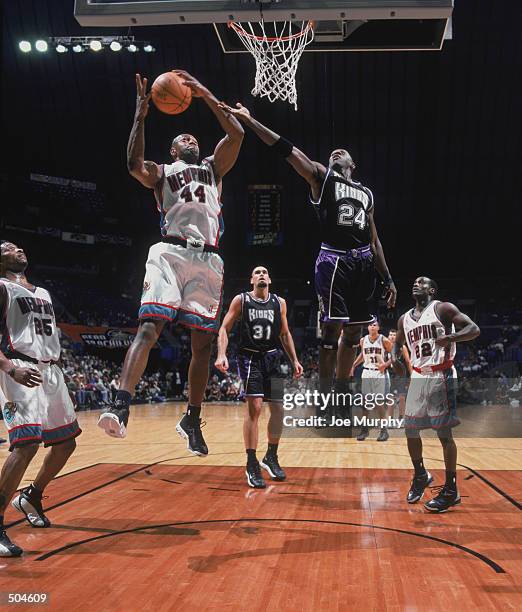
(421, 335)
(373, 352)
(29, 325)
(188, 202)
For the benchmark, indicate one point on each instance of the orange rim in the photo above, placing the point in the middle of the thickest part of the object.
(240, 30)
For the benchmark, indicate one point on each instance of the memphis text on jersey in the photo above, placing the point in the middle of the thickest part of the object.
(184, 177)
(372, 350)
(422, 332)
(37, 305)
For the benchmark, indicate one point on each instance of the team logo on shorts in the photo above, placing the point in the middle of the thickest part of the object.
(9, 412)
(146, 286)
(211, 308)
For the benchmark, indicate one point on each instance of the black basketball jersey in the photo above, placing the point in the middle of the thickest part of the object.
(260, 325)
(343, 208)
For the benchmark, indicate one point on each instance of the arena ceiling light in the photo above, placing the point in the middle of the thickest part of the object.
(41, 45)
(83, 43)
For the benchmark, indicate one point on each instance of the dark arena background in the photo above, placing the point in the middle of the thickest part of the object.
(142, 524)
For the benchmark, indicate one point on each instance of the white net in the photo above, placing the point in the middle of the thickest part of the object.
(277, 55)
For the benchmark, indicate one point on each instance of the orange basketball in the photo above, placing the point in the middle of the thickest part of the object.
(170, 95)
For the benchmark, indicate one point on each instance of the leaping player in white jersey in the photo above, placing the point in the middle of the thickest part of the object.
(431, 330)
(184, 271)
(375, 378)
(35, 400)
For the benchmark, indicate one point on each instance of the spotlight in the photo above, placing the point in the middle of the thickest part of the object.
(61, 48)
(115, 46)
(132, 48)
(77, 48)
(25, 46)
(41, 46)
(148, 48)
(95, 45)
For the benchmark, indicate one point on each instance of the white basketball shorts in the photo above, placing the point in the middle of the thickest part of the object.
(38, 414)
(183, 285)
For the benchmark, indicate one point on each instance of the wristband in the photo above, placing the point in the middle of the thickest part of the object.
(11, 372)
(283, 146)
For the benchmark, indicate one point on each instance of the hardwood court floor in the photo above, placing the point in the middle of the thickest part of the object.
(138, 524)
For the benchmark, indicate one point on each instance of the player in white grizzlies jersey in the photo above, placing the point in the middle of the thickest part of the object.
(375, 378)
(35, 400)
(184, 271)
(431, 330)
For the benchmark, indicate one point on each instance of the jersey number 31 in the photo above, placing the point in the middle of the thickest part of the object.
(261, 331)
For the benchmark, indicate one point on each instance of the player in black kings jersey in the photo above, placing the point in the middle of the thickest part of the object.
(263, 329)
(350, 249)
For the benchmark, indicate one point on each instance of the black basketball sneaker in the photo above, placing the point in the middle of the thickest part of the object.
(114, 421)
(270, 463)
(363, 434)
(189, 428)
(29, 503)
(7, 548)
(418, 485)
(253, 475)
(383, 435)
(446, 498)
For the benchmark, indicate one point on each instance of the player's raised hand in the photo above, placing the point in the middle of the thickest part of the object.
(198, 90)
(390, 294)
(222, 364)
(241, 112)
(29, 377)
(298, 369)
(142, 98)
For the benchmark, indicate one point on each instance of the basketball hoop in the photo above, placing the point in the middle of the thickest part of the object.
(276, 56)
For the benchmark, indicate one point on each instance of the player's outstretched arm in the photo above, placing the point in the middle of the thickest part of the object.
(466, 329)
(147, 173)
(313, 172)
(227, 149)
(288, 342)
(390, 293)
(234, 312)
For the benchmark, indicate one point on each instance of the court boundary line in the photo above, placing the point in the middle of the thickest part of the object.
(492, 564)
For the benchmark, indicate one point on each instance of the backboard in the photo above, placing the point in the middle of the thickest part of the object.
(340, 25)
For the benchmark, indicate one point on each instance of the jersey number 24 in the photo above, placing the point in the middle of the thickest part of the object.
(347, 216)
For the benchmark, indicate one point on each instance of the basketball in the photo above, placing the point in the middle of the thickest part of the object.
(170, 95)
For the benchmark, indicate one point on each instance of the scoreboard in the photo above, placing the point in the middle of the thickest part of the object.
(264, 215)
